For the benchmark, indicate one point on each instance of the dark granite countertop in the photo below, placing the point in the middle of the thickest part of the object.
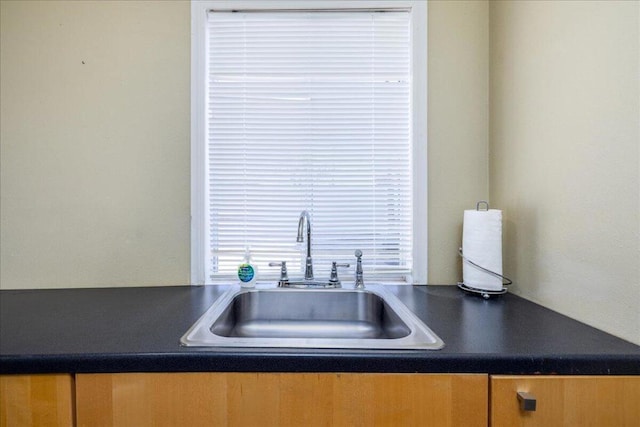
(139, 330)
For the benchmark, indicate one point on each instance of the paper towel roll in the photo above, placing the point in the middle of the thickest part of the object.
(482, 244)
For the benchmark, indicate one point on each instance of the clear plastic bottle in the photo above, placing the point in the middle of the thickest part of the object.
(247, 271)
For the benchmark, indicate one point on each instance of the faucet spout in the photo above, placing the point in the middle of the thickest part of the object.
(304, 217)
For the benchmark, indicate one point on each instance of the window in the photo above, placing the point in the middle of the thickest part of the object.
(317, 106)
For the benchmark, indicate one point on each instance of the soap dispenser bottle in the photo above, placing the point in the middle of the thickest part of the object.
(247, 271)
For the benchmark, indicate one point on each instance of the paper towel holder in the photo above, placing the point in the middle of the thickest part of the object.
(486, 294)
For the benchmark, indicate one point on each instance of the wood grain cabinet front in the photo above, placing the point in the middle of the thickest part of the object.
(36, 400)
(281, 399)
(318, 399)
(584, 401)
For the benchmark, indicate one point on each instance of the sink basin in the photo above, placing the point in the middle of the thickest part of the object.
(372, 318)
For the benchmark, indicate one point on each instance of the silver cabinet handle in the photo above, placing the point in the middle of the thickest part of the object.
(527, 401)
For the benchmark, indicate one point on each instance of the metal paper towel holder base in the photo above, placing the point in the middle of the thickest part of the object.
(482, 292)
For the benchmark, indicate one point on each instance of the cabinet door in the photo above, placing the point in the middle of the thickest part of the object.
(281, 399)
(36, 400)
(566, 401)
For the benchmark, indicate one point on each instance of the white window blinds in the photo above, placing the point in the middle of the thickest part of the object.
(309, 110)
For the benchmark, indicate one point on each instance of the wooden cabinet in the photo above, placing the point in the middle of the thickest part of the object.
(316, 399)
(36, 400)
(597, 401)
(281, 399)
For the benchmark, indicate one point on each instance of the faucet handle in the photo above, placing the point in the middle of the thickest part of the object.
(359, 279)
(333, 280)
(284, 277)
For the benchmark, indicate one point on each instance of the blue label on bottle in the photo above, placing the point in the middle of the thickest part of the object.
(246, 273)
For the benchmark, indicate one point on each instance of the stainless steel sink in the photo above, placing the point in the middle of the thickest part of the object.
(372, 318)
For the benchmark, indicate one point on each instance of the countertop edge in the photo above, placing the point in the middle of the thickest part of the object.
(492, 364)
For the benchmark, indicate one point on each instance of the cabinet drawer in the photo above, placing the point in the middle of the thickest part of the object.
(566, 401)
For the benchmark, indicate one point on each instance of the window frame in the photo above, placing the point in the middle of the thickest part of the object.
(199, 219)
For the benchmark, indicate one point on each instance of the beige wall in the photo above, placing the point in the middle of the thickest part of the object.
(564, 159)
(95, 140)
(94, 143)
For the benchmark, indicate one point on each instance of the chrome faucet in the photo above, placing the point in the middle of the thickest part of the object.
(304, 217)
